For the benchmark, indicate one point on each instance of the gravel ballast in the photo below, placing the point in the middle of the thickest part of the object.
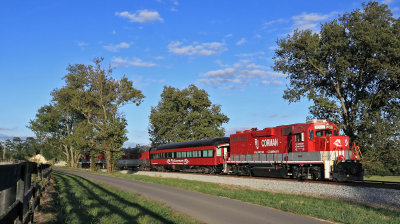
(375, 196)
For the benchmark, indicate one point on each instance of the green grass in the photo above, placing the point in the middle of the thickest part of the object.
(324, 208)
(82, 201)
(383, 178)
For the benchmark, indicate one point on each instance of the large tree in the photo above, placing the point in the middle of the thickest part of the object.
(84, 116)
(185, 115)
(91, 90)
(350, 71)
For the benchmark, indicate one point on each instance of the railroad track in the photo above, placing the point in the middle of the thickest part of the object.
(364, 183)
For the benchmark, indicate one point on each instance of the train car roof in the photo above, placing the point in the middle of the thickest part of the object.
(199, 143)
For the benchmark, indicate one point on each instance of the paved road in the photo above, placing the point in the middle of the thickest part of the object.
(203, 207)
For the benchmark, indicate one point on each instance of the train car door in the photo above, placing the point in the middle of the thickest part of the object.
(225, 159)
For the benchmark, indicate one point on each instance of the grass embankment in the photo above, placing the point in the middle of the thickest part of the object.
(383, 178)
(329, 209)
(82, 201)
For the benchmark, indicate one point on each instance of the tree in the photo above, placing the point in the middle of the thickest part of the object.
(98, 98)
(185, 115)
(350, 71)
(54, 127)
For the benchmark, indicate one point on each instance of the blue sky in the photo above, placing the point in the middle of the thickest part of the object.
(225, 47)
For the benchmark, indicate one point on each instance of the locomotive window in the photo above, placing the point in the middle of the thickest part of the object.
(336, 133)
(311, 134)
(328, 133)
(300, 137)
(319, 133)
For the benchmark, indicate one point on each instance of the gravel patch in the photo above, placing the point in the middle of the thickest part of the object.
(375, 196)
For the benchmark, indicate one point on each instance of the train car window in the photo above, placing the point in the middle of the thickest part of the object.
(199, 154)
(336, 133)
(183, 154)
(195, 154)
(311, 134)
(328, 133)
(189, 154)
(169, 155)
(210, 153)
(319, 133)
(218, 151)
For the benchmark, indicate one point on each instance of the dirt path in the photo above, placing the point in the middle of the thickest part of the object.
(46, 213)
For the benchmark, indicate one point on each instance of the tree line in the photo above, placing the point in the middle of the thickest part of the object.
(84, 118)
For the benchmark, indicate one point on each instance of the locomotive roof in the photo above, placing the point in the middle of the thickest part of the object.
(205, 142)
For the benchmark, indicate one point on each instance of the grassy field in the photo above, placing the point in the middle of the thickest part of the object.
(383, 178)
(328, 209)
(81, 201)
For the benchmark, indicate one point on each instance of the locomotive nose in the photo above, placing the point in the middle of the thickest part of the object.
(338, 142)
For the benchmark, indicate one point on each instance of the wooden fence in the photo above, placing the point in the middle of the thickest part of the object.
(20, 190)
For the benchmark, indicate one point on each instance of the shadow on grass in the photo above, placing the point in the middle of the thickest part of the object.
(108, 207)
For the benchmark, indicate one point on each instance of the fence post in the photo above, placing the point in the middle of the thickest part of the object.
(35, 190)
(8, 187)
(21, 192)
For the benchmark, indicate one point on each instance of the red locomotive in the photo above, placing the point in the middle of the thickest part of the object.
(311, 150)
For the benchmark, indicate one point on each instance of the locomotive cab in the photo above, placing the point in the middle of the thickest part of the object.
(334, 151)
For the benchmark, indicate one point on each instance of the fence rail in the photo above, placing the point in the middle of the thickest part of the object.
(20, 190)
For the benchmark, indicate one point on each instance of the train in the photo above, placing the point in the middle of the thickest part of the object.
(311, 150)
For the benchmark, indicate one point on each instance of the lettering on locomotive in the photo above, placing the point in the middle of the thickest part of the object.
(269, 142)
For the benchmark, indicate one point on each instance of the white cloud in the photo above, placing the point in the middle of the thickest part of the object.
(200, 49)
(229, 35)
(141, 16)
(223, 72)
(272, 22)
(241, 41)
(239, 75)
(142, 82)
(310, 20)
(116, 47)
(273, 82)
(137, 62)
(82, 44)
(159, 58)
(251, 54)
(387, 2)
